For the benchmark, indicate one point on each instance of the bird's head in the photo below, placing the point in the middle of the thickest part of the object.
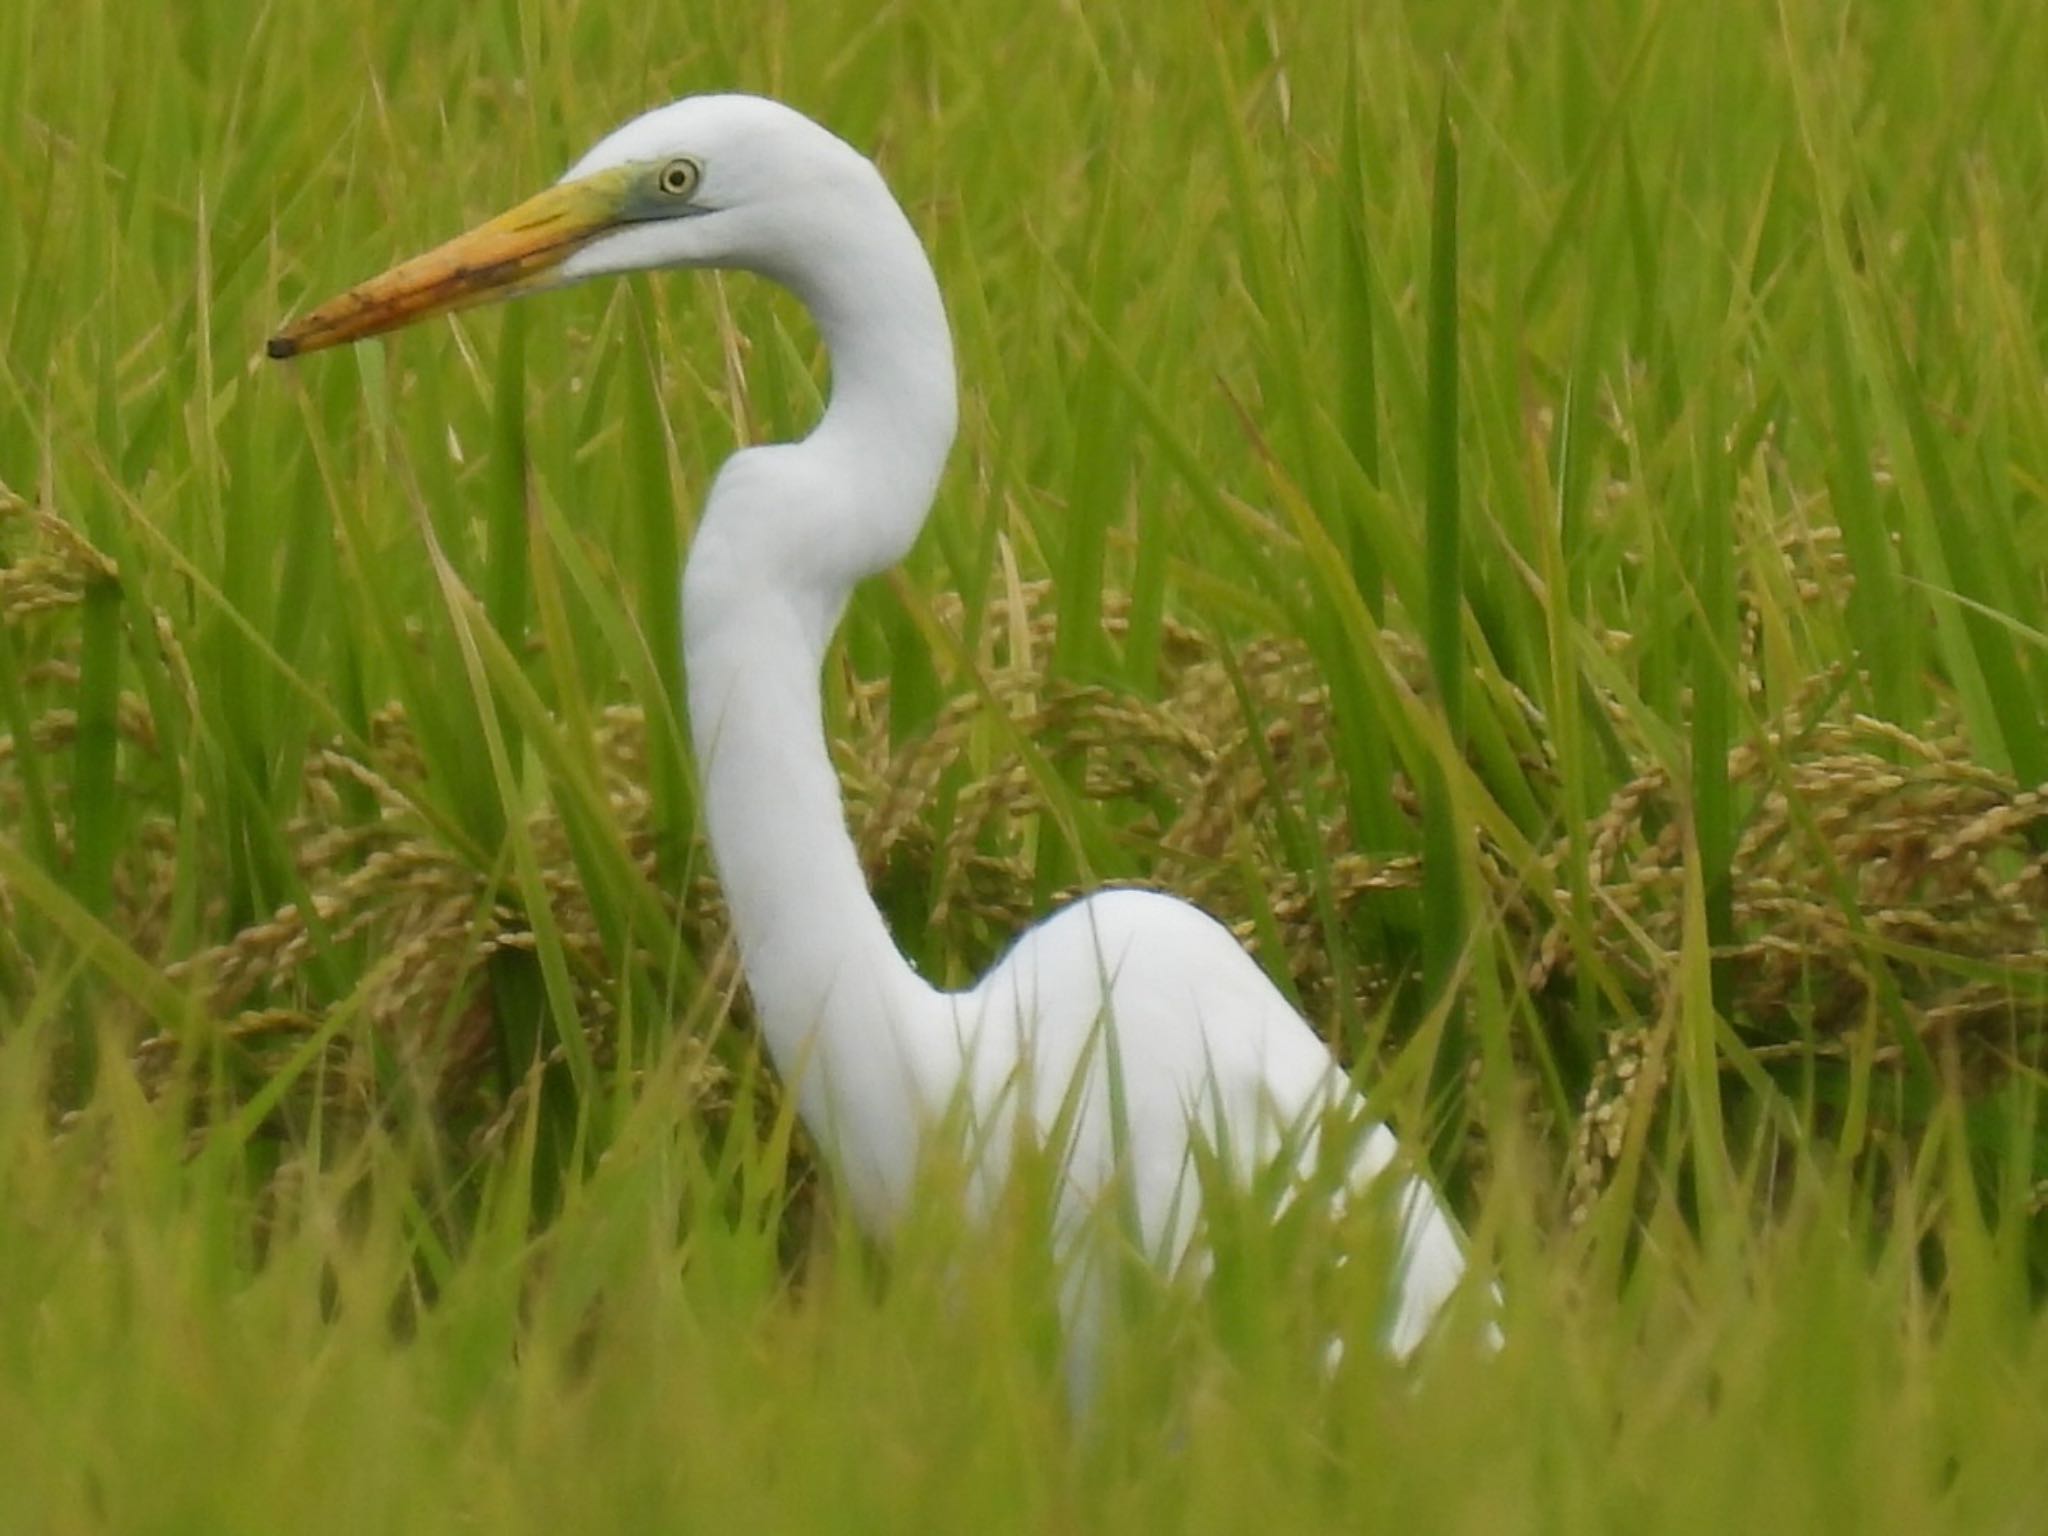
(709, 181)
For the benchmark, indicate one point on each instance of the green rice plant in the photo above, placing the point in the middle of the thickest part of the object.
(1533, 514)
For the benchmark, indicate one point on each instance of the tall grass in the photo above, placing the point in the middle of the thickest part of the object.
(1532, 512)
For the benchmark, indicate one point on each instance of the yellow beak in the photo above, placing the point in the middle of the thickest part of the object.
(517, 252)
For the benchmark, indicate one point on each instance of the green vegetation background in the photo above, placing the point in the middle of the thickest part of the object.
(1534, 511)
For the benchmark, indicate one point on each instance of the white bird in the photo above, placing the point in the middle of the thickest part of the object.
(1130, 1024)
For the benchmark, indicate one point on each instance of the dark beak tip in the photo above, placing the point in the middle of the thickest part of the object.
(281, 347)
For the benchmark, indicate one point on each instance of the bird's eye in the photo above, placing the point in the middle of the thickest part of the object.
(679, 177)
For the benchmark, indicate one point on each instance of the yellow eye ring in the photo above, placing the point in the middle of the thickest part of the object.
(679, 177)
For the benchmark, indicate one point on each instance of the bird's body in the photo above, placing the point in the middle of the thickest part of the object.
(1129, 989)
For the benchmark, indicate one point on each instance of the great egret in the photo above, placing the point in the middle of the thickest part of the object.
(1130, 1024)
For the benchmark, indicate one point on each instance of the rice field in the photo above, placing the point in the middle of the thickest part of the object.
(1536, 514)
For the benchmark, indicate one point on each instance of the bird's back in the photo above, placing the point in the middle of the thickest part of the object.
(1146, 1041)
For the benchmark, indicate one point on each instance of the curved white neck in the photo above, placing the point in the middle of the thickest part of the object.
(787, 532)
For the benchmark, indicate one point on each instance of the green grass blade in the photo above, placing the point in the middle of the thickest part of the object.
(656, 541)
(1716, 645)
(1443, 901)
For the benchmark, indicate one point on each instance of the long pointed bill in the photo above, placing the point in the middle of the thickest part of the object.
(517, 252)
